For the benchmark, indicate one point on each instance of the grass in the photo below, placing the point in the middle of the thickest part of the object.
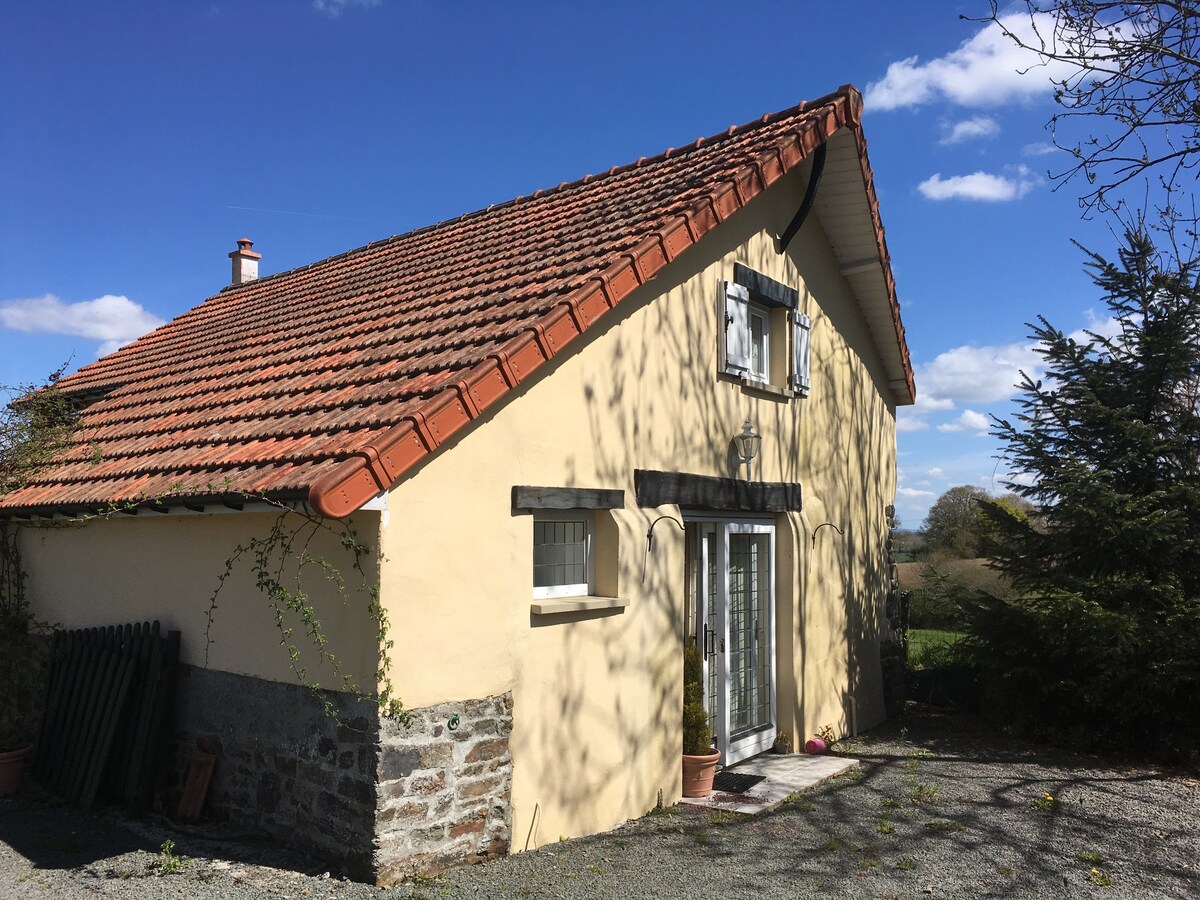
(945, 825)
(927, 644)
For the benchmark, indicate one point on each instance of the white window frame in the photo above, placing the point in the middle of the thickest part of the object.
(763, 371)
(549, 592)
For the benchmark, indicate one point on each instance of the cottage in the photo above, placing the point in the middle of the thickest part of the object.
(574, 431)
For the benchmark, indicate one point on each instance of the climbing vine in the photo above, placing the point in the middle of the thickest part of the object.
(281, 562)
(39, 422)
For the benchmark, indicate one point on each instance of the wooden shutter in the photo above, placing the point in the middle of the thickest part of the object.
(737, 328)
(799, 380)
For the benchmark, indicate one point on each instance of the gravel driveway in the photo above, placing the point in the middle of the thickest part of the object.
(939, 808)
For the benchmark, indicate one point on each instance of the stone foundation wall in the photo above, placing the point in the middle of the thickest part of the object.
(384, 800)
(445, 788)
(283, 767)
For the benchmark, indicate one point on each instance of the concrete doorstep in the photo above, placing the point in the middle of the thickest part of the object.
(786, 774)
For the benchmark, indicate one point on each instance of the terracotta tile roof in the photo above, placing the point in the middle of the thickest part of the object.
(331, 380)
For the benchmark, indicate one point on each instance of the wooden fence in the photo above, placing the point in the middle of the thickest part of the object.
(104, 731)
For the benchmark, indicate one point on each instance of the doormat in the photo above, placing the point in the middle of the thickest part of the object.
(735, 782)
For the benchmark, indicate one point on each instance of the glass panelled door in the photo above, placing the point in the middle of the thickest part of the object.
(735, 629)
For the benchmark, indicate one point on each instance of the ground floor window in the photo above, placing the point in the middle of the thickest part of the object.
(562, 554)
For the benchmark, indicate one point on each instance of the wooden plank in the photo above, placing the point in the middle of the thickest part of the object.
(141, 703)
(72, 649)
(195, 789)
(710, 493)
(526, 497)
(94, 695)
(71, 738)
(113, 703)
(160, 719)
(766, 290)
(118, 757)
(54, 692)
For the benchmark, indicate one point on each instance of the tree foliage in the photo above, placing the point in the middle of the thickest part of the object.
(1105, 638)
(1126, 77)
(35, 424)
(955, 524)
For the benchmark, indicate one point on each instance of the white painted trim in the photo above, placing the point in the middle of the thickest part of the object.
(378, 502)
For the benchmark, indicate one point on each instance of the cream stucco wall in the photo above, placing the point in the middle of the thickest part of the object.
(125, 568)
(597, 696)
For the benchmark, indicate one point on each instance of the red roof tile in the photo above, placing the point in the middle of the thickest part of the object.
(331, 380)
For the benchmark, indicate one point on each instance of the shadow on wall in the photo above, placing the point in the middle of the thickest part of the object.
(660, 392)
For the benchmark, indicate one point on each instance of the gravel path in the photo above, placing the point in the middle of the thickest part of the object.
(939, 808)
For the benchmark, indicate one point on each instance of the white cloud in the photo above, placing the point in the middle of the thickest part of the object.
(1107, 327)
(987, 69)
(1043, 149)
(333, 8)
(976, 374)
(113, 320)
(905, 421)
(913, 492)
(980, 186)
(971, 421)
(970, 129)
(926, 402)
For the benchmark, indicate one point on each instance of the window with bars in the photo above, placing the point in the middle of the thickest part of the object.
(563, 563)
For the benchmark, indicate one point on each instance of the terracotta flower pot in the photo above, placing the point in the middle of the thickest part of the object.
(698, 772)
(12, 764)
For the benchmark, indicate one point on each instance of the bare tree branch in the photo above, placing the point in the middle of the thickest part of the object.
(1131, 95)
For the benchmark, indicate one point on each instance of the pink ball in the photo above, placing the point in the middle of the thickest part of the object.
(815, 746)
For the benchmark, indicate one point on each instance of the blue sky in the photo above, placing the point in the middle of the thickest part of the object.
(139, 141)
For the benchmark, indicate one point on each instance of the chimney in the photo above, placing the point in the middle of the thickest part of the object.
(245, 262)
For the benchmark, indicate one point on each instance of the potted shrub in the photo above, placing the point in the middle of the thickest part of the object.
(16, 746)
(699, 756)
(22, 665)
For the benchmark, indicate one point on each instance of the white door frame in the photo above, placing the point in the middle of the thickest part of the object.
(712, 536)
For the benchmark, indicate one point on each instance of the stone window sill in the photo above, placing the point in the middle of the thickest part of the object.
(763, 387)
(576, 605)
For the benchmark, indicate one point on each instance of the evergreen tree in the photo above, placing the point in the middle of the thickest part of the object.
(1104, 640)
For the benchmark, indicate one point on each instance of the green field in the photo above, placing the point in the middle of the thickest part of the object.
(925, 645)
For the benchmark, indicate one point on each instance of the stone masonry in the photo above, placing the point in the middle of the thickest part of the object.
(445, 787)
(384, 800)
(283, 768)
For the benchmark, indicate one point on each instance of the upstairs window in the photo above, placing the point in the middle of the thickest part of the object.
(766, 338)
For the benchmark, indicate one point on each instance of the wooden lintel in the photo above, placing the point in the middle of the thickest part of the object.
(706, 492)
(528, 497)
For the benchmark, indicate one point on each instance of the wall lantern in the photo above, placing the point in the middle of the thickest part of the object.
(748, 444)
